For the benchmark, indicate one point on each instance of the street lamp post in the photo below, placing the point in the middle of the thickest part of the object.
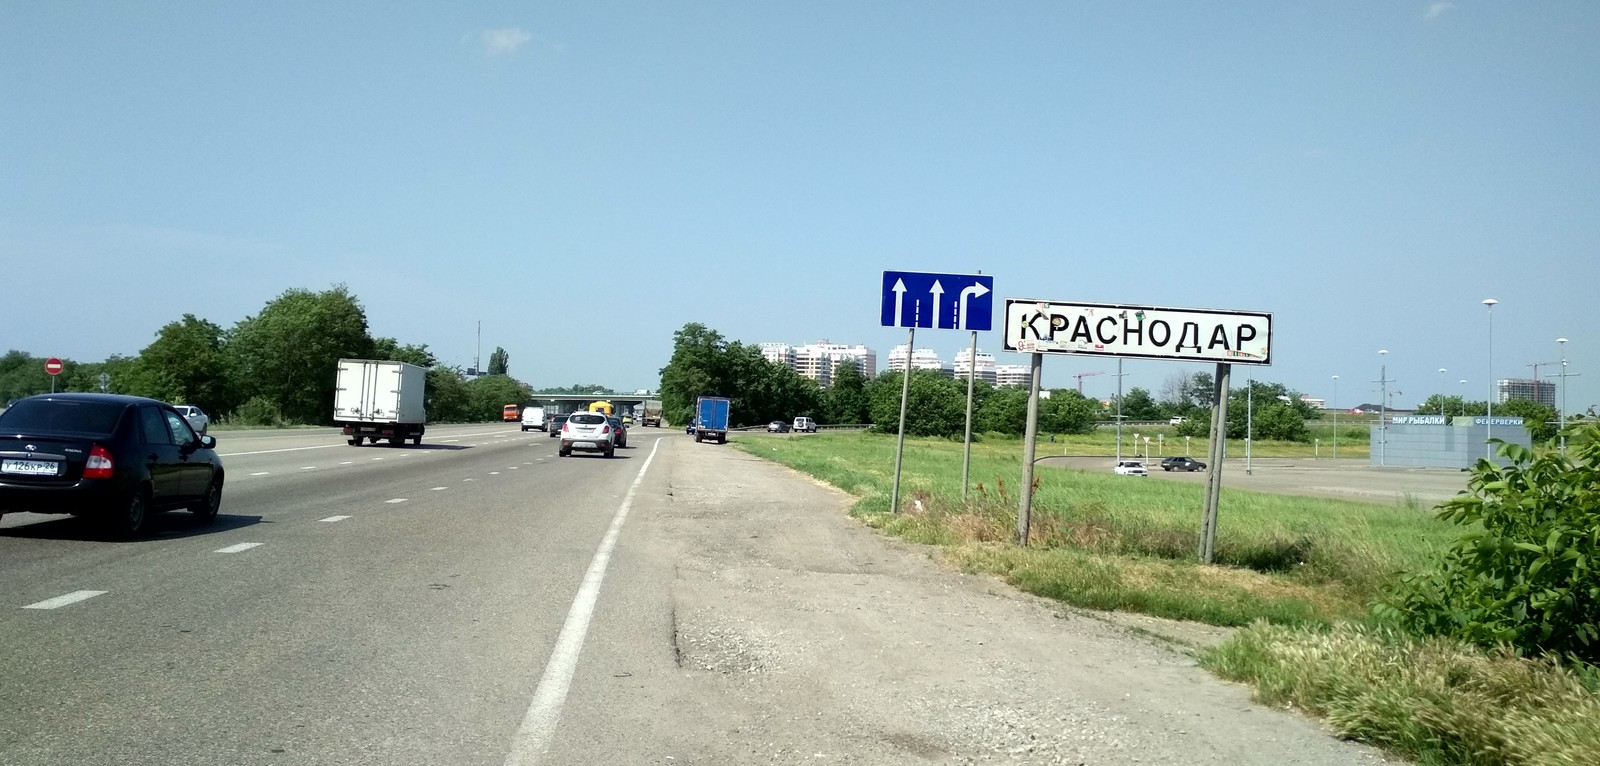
(1442, 371)
(1489, 420)
(1564, 375)
(1383, 404)
(1336, 417)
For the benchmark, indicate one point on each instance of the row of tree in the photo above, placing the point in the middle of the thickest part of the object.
(276, 367)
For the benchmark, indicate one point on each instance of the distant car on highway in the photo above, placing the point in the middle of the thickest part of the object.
(198, 420)
(620, 429)
(118, 459)
(1131, 468)
(1177, 421)
(554, 422)
(587, 432)
(777, 427)
(805, 425)
(1182, 464)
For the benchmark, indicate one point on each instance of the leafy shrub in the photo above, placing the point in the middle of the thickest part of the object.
(258, 411)
(1523, 574)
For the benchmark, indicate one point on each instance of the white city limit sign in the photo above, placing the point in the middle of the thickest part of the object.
(1148, 332)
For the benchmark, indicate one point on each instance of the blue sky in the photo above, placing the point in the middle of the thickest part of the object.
(585, 178)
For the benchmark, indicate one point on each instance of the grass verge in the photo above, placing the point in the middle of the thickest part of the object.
(1431, 700)
(1107, 542)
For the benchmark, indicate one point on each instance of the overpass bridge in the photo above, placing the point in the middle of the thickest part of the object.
(572, 402)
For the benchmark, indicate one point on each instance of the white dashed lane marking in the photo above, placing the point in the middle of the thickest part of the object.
(348, 462)
(308, 468)
(63, 600)
(395, 500)
(238, 547)
(261, 473)
(494, 473)
(436, 489)
(334, 518)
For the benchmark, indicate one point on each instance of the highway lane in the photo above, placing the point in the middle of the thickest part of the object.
(385, 611)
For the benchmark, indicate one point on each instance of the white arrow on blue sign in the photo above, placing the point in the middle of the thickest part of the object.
(937, 301)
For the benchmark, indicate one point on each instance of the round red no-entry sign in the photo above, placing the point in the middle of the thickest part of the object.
(52, 366)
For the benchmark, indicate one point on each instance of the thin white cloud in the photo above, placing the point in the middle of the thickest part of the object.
(503, 42)
(1438, 9)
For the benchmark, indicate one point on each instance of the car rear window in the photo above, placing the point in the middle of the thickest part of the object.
(60, 416)
(588, 419)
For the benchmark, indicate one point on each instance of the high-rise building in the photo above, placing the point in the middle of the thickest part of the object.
(822, 360)
(985, 366)
(1543, 392)
(1016, 375)
(921, 359)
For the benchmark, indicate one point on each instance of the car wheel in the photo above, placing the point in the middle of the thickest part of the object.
(563, 453)
(132, 518)
(611, 452)
(416, 441)
(355, 441)
(205, 509)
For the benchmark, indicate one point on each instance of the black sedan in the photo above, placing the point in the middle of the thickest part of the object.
(1182, 464)
(777, 427)
(119, 459)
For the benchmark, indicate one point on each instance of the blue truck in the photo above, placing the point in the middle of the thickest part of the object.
(711, 419)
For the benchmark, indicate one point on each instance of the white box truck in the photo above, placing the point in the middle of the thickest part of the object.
(380, 400)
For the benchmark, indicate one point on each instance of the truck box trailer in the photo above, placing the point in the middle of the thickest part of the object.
(652, 414)
(711, 415)
(380, 400)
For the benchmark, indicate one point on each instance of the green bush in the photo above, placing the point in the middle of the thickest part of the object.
(1523, 574)
(258, 411)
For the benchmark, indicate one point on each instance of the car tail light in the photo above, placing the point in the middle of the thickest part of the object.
(605, 429)
(565, 426)
(99, 465)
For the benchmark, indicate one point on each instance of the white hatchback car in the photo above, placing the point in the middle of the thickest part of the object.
(197, 419)
(588, 432)
(1131, 468)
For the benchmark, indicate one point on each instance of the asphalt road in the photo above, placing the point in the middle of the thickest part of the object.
(478, 600)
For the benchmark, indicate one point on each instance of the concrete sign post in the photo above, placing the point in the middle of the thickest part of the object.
(1225, 337)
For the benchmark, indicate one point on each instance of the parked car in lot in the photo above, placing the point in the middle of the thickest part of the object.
(1182, 464)
(118, 459)
(197, 419)
(620, 430)
(1131, 468)
(587, 432)
(554, 422)
(777, 427)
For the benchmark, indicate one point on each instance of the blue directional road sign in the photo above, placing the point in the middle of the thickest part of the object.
(937, 301)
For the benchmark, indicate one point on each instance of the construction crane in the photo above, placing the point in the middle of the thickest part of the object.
(1081, 375)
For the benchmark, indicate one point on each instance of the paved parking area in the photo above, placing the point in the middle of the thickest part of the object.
(1319, 477)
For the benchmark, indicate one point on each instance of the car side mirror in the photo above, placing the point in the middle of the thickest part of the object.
(209, 442)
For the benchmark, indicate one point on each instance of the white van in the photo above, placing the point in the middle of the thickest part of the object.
(533, 417)
(805, 426)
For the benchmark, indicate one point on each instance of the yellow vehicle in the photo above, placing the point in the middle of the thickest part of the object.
(603, 407)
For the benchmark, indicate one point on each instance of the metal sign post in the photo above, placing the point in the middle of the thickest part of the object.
(913, 299)
(1219, 435)
(1029, 436)
(966, 454)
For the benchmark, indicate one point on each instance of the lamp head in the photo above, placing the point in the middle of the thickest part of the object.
(1490, 302)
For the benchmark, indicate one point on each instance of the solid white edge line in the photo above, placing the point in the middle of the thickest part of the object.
(237, 547)
(68, 598)
(538, 725)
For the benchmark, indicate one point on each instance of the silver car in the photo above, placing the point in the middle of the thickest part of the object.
(197, 419)
(588, 432)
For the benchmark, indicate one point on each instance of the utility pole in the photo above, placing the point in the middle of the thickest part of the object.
(1563, 375)
(477, 355)
(1119, 408)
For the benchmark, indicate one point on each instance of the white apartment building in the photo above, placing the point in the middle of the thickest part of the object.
(985, 365)
(1012, 375)
(921, 359)
(821, 361)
